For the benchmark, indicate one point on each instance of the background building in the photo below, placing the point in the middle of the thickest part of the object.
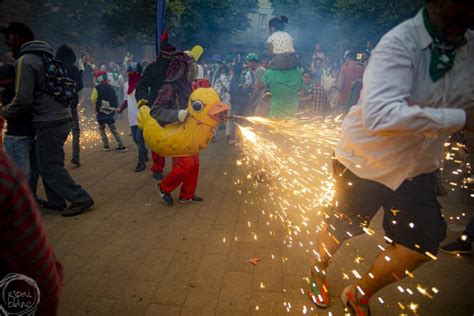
(255, 37)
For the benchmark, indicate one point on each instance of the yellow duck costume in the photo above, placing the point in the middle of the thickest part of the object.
(186, 138)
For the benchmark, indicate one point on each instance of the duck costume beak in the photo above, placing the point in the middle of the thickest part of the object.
(218, 111)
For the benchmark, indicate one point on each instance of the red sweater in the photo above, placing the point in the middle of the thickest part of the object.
(24, 247)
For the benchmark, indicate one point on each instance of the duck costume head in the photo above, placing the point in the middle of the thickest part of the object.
(186, 138)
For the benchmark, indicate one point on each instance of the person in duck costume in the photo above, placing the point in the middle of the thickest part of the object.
(180, 124)
(187, 138)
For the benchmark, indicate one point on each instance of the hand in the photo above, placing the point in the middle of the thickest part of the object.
(469, 119)
(142, 102)
(182, 114)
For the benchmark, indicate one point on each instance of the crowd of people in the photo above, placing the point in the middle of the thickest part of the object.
(408, 108)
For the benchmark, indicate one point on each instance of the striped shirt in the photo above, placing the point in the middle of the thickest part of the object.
(24, 247)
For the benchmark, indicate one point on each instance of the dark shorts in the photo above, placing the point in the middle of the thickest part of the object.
(412, 214)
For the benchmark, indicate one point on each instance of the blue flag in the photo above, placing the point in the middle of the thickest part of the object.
(160, 23)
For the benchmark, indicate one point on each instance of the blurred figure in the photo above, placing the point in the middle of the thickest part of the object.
(330, 86)
(257, 90)
(369, 47)
(320, 99)
(318, 52)
(88, 84)
(7, 90)
(134, 72)
(25, 246)
(147, 89)
(106, 104)
(127, 60)
(350, 73)
(116, 80)
(222, 84)
(51, 118)
(306, 92)
(68, 57)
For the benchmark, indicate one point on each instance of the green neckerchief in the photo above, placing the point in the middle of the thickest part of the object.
(442, 53)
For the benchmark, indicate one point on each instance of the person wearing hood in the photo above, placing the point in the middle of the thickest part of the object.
(20, 134)
(68, 57)
(147, 89)
(51, 120)
(171, 106)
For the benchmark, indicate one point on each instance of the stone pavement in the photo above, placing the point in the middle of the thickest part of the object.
(131, 255)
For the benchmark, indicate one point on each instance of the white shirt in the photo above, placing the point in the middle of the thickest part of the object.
(132, 108)
(282, 43)
(399, 127)
(200, 72)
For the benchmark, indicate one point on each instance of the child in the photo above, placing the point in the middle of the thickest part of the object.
(306, 92)
(281, 45)
(106, 103)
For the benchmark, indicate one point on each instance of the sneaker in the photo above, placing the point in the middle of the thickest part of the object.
(460, 246)
(121, 149)
(52, 207)
(158, 176)
(195, 198)
(357, 302)
(78, 208)
(165, 197)
(106, 148)
(319, 290)
(76, 161)
(140, 167)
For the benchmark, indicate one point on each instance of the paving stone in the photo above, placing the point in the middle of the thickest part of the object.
(201, 301)
(165, 310)
(210, 272)
(177, 279)
(155, 265)
(97, 306)
(131, 251)
(236, 292)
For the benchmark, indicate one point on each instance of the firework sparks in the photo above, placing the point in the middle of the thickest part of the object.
(289, 161)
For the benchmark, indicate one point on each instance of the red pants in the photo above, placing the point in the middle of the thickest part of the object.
(158, 163)
(185, 171)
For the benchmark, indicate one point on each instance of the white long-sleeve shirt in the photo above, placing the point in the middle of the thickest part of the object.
(132, 108)
(403, 118)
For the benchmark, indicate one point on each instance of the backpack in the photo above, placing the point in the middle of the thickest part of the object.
(58, 83)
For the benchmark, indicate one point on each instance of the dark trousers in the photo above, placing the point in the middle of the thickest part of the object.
(76, 133)
(137, 135)
(59, 185)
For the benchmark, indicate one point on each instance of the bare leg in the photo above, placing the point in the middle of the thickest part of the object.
(390, 266)
(326, 246)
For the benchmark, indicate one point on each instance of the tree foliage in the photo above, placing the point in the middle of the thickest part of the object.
(111, 22)
(353, 21)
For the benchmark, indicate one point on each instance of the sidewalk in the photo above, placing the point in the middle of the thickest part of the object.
(131, 255)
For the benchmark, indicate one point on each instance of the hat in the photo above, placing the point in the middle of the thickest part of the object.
(165, 44)
(252, 57)
(100, 75)
(18, 28)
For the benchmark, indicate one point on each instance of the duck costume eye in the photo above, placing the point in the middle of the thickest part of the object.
(198, 106)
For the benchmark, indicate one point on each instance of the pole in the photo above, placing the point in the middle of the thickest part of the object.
(160, 23)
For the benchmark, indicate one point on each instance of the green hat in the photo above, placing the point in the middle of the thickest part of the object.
(252, 57)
